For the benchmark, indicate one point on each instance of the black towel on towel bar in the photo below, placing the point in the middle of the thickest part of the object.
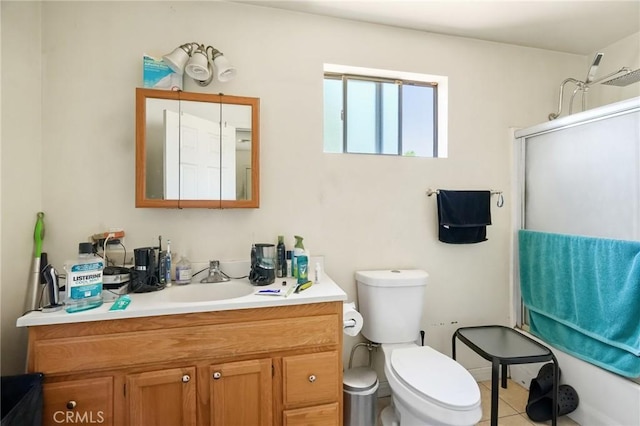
(463, 216)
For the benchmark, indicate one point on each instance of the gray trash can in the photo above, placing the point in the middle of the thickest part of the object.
(360, 387)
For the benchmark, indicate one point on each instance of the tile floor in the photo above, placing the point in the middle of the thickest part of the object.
(511, 406)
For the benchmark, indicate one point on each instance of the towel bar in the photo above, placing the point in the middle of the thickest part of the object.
(500, 202)
(430, 192)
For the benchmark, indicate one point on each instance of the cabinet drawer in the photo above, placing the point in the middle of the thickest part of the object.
(322, 415)
(311, 379)
(80, 402)
(88, 353)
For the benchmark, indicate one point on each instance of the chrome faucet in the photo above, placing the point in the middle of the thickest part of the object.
(215, 274)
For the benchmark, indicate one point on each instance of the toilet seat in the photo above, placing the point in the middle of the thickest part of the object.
(435, 377)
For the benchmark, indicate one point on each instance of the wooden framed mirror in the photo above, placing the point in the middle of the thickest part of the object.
(197, 150)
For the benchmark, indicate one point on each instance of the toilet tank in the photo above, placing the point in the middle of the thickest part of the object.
(390, 302)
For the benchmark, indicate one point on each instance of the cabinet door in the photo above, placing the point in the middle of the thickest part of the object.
(311, 379)
(321, 415)
(164, 397)
(79, 402)
(240, 393)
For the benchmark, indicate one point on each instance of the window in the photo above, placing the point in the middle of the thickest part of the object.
(383, 115)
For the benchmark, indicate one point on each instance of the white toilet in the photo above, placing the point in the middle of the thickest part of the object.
(427, 387)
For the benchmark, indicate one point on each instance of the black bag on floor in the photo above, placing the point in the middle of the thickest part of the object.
(21, 400)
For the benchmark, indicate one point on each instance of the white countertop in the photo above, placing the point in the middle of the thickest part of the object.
(166, 302)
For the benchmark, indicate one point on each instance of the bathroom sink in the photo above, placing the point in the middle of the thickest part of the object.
(205, 292)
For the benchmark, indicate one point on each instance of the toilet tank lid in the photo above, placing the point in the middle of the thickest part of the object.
(393, 277)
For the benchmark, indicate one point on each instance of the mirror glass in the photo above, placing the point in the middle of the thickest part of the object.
(196, 150)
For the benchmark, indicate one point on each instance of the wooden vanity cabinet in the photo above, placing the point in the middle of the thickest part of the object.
(265, 366)
(83, 401)
(240, 393)
(322, 415)
(162, 397)
(310, 388)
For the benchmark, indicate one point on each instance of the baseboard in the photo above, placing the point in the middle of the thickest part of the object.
(481, 374)
(519, 373)
(523, 373)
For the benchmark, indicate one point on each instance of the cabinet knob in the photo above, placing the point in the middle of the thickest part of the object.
(186, 378)
(312, 378)
(71, 404)
(217, 375)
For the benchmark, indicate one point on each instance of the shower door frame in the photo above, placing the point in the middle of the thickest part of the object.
(628, 106)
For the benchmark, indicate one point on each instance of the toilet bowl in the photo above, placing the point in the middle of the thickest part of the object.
(429, 388)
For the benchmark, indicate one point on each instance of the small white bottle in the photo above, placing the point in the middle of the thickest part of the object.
(183, 271)
(84, 280)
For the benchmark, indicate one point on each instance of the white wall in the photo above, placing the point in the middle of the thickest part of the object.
(22, 171)
(359, 211)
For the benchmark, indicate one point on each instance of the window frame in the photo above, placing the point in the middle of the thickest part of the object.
(439, 84)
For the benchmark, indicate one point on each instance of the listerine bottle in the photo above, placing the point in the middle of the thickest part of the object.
(84, 280)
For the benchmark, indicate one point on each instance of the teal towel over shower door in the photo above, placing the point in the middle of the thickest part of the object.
(583, 295)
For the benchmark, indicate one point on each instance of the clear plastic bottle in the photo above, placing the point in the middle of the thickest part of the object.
(84, 280)
(183, 271)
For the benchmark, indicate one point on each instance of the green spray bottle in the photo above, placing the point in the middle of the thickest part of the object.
(298, 250)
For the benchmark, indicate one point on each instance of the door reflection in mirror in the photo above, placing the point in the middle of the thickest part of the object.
(191, 155)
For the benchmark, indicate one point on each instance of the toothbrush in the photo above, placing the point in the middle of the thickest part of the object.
(269, 292)
(291, 289)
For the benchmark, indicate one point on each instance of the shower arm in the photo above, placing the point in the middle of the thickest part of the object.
(573, 95)
(581, 85)
(578, 83)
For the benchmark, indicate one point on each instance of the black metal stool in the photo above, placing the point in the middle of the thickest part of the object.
(504, 346)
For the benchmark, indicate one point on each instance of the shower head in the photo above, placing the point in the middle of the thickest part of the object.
(594, 68)
(625, 79)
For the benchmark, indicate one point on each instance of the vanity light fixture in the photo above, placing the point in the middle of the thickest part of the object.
(200, 63)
